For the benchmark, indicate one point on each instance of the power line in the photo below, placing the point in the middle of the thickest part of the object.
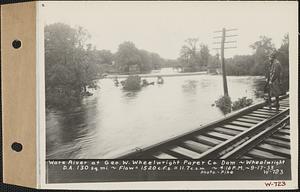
(231, 29)
(219, 31)
(231, 35)
(225, 48)
(230, 47)
(224, 42)
(217, 48)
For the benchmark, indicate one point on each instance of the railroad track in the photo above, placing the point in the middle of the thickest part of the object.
(255, 132)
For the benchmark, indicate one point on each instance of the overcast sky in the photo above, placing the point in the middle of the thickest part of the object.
(162, 27)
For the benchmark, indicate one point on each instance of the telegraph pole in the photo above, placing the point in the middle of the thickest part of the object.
(223, 63)
(223, 41)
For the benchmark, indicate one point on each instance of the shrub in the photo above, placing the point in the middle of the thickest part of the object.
(224, 103)
(226, 106)
(241, 103)
(132, 83)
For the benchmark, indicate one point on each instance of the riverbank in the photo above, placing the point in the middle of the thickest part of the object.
(158, 74)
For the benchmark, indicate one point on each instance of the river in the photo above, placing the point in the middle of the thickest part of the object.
(113, 121)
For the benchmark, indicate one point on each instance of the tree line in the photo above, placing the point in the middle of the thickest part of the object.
(255, 64)
(130, 59)
(195, 56)
(72, 64)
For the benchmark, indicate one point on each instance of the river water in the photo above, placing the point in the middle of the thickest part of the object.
(114, 121)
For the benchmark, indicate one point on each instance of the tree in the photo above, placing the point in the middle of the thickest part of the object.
(214, 63)
(146, 62)
(131, 59)
(105, 56)
(149, 61)
(185, 56)
(283, 57)
(188, 55)
(191, 43)
(283, 52)
(126, 56)
(156, 61)
(192, 59)
(174, 63)
(204, 56)
(68, 66)
(241, 65)
(262, 49)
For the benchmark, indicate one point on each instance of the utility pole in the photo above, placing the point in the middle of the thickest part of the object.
(223, 63)
(223, 41)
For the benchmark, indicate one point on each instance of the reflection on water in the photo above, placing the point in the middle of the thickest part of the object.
(114, 121)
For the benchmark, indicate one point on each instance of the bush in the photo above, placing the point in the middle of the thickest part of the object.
(62, 97)
(224, 103)
(132, 83)
(226, 106)
(241, 103)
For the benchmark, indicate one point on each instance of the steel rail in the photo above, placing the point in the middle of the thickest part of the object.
(254, 141)
(229, 144)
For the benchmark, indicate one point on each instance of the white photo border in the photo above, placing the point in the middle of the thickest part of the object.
(187, 185)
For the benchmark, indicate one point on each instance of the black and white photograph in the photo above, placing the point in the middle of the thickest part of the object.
(167, 81)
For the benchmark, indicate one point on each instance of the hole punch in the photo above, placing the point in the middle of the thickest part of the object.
(16, 44)
(17, 147)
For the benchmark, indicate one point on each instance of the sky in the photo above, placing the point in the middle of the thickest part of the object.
(162, 27)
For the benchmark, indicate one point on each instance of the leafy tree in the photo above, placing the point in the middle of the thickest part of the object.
(256, 64)
(105, 56)
(126, 56)
(146, 62)
(241, 65)
(188, 54)
(214, 61)
(149, 61)
(68, 66)
(156, 61)
(283, 57)
(129, 56)
(193, 59)
(185, 57)
(204, 55)
(262, 49)
(170, 63)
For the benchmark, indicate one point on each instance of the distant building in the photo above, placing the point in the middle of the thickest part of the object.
(214, 70)
(214, 66)
(134, 69)
(107, 68)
